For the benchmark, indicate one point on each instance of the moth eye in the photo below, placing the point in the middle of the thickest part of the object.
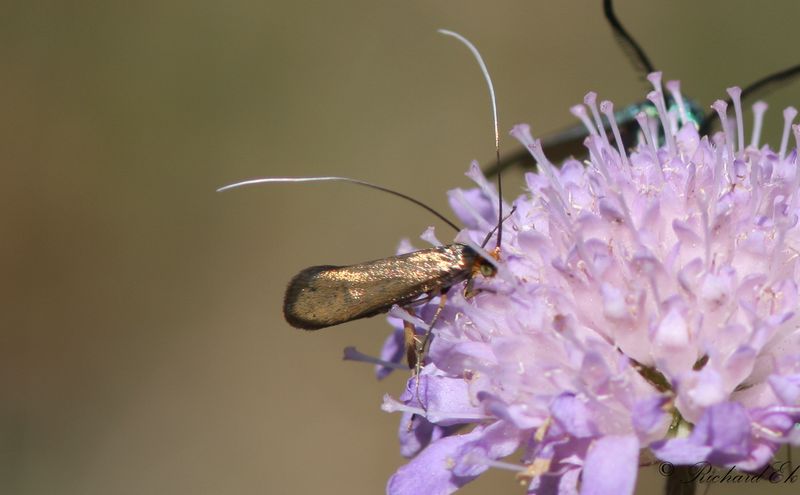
(487, 270)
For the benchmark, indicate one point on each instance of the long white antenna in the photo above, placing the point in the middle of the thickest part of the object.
(486, 76)
(267, 180)
(488, 79)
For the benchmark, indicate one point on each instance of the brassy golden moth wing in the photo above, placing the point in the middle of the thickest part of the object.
(322, 296)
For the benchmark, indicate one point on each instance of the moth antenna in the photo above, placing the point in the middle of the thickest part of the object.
(283, 180)
(491, 232)
(488, 79)
(629, 45)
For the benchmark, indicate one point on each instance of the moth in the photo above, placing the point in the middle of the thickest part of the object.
(327, 295)
(323, 296)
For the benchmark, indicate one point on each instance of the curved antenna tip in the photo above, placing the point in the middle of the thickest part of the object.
(488, 79)
(264, 180)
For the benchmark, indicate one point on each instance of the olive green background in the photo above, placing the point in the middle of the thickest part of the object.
(142, 347)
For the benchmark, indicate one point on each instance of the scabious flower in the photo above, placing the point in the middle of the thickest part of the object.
(645, 300)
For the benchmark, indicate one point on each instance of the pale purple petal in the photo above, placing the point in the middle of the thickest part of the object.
(446, 401)
(723, 436)
(415, 433)
(393, 351)
(611, 466)
(649, 417)
(471, 206)
(517, 414)
(787, 388)
(727, 428)
(431, 471)
(681, 451)
(573, 416)
(496, 441)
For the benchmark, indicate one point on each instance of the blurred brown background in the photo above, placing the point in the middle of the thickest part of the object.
(142, 347)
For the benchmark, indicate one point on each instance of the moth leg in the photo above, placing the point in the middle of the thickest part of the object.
(413, 343)
(410, 337)
(421, 344)
(410, 334)
(470, 291)
(418, 302)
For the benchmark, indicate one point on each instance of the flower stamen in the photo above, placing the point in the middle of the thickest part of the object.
(788, 117)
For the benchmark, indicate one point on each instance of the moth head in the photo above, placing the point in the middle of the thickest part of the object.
(484, 268)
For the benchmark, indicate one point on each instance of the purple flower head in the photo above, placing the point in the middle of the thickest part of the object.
(646, 299)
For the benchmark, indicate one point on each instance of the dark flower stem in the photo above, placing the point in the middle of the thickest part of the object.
(680, 482)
